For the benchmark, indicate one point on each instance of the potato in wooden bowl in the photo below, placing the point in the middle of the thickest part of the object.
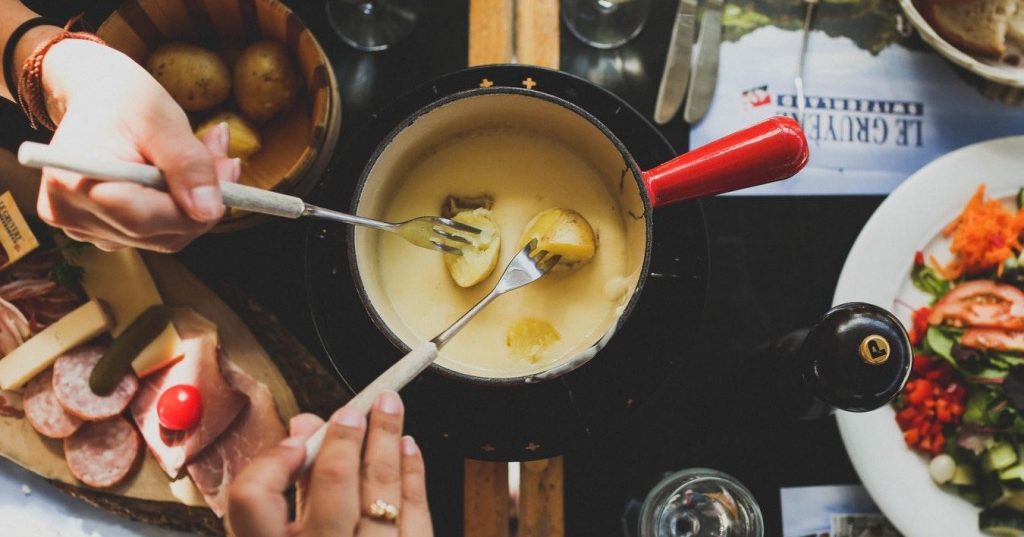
(296, 134)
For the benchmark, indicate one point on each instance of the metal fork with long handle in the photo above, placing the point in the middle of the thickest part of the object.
(526, 267)
(431, 232)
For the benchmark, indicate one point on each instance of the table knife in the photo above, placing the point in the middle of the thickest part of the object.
(705, 71)
(677, 63)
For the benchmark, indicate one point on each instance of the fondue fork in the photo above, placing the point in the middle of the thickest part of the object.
(526, 267)
(431, 232)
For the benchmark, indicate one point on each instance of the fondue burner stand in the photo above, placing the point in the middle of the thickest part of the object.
(533, 421)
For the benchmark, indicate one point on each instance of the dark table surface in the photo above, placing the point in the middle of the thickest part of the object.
(774, 265)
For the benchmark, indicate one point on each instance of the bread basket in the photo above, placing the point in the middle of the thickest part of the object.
(1007, 75)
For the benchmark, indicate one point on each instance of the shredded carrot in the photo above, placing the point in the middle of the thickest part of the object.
(984, 235)
(950, 271)
(951, 227)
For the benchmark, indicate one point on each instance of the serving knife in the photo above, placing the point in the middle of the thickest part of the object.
(676, 75)
(705, 72)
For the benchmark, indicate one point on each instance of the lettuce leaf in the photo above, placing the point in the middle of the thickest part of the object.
(928, 280)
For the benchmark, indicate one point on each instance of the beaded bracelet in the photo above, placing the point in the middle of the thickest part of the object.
(12, 43)
(31, 96)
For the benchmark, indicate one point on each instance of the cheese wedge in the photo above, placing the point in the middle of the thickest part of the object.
(186, 491)
(32, 357)
(120, 279)
(164, 350)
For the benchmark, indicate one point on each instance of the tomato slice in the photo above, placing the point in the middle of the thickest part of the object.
(994, 338)
(981, 304)
(180, 407)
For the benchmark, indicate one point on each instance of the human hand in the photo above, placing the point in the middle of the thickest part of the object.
(109, 106)
(333, 499)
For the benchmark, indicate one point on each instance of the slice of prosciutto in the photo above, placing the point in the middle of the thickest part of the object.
(257, 427)
(27, 288)
(994, 339)
(14, 327)
(981, 304)
(199, 367)
(11, 404)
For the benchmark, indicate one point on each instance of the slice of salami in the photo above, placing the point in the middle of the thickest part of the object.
(102, 453)
(44, 412)
(71, 385)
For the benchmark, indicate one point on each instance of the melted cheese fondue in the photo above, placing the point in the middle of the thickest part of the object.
(525, 172)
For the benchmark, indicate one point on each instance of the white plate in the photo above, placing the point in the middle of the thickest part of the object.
(877, 271)
(997, 72)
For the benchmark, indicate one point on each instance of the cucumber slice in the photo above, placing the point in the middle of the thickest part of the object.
(1001, 521)
(1013, 472)
(963, 475)
(1000, 456)
(117, 360)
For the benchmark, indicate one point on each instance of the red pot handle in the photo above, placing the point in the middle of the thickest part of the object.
(771, 150)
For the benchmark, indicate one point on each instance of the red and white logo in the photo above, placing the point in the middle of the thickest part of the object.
(757, 96)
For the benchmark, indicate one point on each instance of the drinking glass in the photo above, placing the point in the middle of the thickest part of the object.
(372, 25)
(700, 502)
(605, 23)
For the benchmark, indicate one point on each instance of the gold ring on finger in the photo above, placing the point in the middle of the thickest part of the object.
(382, 510)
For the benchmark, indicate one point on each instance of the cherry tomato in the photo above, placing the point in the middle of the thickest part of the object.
(180, 407)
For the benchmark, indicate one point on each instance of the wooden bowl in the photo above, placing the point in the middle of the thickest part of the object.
(298, 143)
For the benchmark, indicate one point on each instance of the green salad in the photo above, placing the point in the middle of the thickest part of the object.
(963, 405)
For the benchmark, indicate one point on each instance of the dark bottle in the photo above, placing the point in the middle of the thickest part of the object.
(856, 358)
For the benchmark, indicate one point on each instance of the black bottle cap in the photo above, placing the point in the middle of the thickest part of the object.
(857, 357)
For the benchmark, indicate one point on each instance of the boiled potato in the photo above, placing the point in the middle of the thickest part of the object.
(529, 337)
(195, 77)
(265, 81)
(454, 205)
(562, 232)
(479, 258)
(243, 140)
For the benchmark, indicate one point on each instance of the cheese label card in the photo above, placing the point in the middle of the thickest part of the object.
(15, 236)
(878, 106)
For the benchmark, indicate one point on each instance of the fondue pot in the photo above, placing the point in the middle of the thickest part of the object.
(522, 418)
(768, 151)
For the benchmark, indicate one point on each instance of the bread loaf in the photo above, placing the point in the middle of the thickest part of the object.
(1015, 29)
(978, 26)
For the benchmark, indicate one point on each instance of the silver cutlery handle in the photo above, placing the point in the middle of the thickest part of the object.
(705, 72)
(395, 378)
(238, 196)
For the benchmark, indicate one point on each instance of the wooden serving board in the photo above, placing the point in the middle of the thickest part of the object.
(487, 505)
(147, 496)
